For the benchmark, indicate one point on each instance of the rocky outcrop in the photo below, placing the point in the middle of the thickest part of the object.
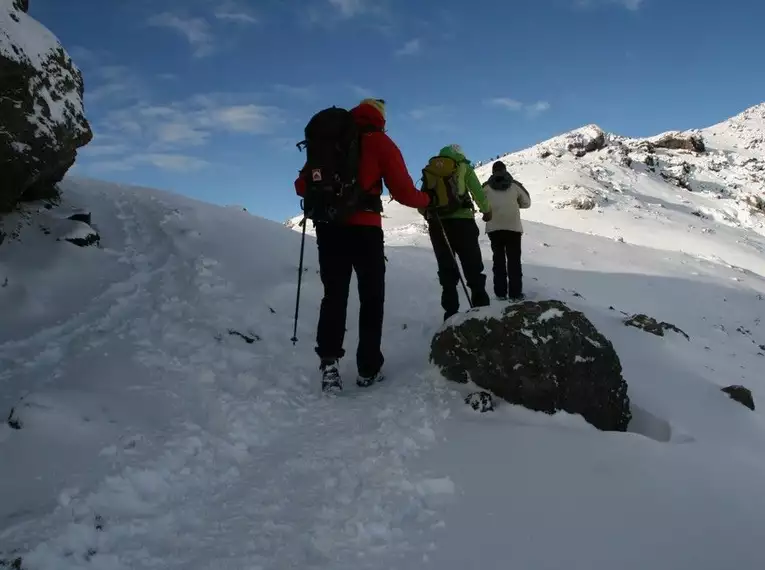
(740, 394)
(651, 325)
(541, 355)
(588, 139)
(578, 142)
(676, 140)
(41, 108)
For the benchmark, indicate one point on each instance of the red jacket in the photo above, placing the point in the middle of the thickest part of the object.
(381, 160)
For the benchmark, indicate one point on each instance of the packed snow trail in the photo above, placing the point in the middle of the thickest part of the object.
(242, 423)
(154, 438)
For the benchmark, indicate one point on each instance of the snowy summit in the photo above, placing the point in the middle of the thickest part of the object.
(156, 414)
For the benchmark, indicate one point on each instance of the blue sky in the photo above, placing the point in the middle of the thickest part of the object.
(208, 97)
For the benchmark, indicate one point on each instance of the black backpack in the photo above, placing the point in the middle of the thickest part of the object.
(333, 150)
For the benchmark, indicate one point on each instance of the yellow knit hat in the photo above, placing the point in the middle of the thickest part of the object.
(378, 104)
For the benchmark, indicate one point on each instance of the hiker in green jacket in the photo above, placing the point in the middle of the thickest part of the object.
(454, 232)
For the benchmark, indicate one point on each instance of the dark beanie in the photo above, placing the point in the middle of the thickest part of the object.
(498, 167)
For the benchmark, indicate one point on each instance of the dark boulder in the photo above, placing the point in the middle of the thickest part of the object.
(740, 394)
(541, 355)
(41, 105)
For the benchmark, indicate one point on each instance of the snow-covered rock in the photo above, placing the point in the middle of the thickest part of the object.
(540, 355)
(43, 120)
(676, 140)
(651, 325)
(578, 142)
(81, 234)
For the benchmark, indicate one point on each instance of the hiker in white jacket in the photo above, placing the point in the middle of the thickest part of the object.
(507, 198)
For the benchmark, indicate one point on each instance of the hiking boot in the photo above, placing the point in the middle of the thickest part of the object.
(330, 377)
(366, 381)
(517, 297)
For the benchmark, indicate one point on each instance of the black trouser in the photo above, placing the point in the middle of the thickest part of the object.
(343, 249)
(463, 238)
(508, 273)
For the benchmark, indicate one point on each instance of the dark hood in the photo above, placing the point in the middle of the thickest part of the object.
(500, 181)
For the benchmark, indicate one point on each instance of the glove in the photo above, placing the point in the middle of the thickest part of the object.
(433, 199)
(487, 216)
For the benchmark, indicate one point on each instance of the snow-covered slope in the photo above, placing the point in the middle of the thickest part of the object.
(152, 435)
(640, 191)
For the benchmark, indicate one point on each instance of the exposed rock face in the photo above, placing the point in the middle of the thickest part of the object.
(42, 121)
(541, 355)
(578, 142)
(676, 140)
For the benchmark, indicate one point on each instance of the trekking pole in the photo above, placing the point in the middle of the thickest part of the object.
(454, 259)
(299, 283)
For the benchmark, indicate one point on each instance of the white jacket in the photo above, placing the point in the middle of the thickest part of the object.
(506, 206)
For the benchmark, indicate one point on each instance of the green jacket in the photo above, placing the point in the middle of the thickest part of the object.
(467, 178)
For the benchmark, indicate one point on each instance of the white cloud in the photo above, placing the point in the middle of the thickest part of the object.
(428, 112)
(82, 55)
(181, 133)
(116, 165)
(361, 91)
(538, 107)
(161, 135)
(411, 47)
(231, 11)
(175, 162)
(163, 161)
(195, 30)
(306, 92)
(507, 103)
(531, 109)
(633, 5)
(113, 82)
(95, 149)
(350, 8)
(103, 145)
(191, 123)
(253, 119)
(435, 118)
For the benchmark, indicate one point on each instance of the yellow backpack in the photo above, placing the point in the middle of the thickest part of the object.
(441, 178)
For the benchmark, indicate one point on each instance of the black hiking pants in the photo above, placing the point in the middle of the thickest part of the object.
(507, 269)
(463, 238)
(343, 249)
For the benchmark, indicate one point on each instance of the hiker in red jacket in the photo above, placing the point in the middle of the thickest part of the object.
(356, 244)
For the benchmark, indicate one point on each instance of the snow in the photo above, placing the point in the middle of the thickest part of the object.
(152, 437)
(24, 40)
(20, 147)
